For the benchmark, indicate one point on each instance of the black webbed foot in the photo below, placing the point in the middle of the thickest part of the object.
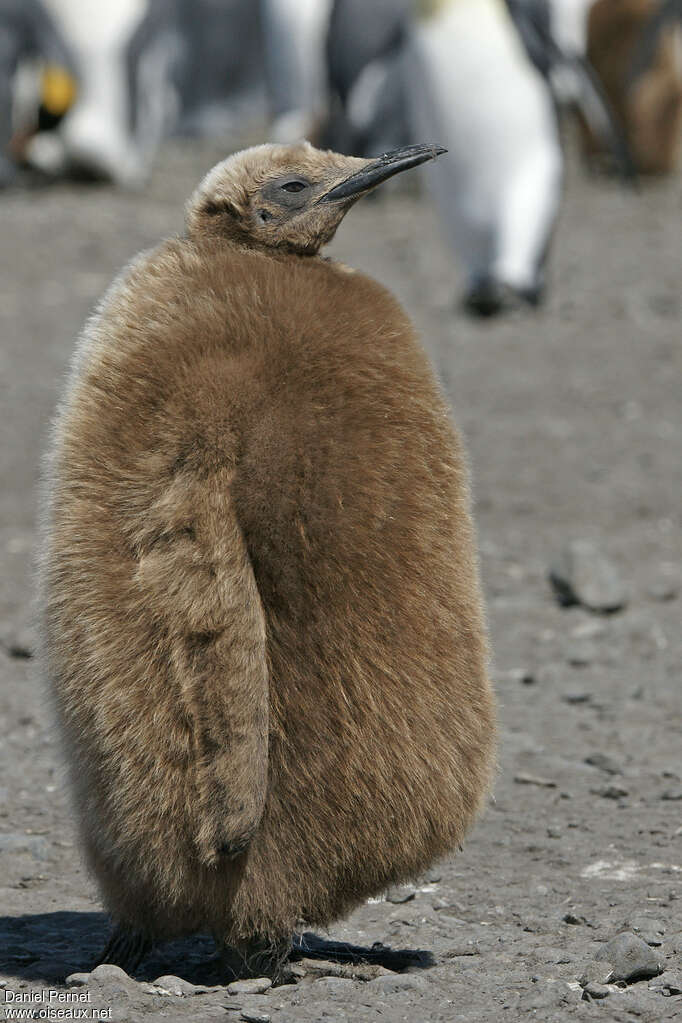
(126, 949)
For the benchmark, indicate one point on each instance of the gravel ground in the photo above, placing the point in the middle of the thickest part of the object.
(572, 418)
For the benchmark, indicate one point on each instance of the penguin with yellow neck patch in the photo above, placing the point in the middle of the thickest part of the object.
(262, 620)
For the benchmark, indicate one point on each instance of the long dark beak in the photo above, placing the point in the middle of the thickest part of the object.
(379, 170)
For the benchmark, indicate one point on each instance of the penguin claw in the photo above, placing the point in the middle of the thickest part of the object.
(258, 959)
(126, 949)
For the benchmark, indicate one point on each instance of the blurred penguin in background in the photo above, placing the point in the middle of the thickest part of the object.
(470, 84)
(554, 33)
(29, 41)
(127, 53)
(636, 48)
(294, 33)
(221, 83)
(365, 43)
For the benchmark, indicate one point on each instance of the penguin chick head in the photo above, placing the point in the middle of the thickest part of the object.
(290, 197)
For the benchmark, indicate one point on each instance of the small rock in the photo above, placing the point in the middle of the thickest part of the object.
(106, 972)
(178, 986)
(252, 1016)
(596, 972)
(644, 635)
(77, 979)
(610, 792)
(579, 696)
(663, 590)
(589, 628)
(581, 653)
(581, 574)
(571, 918)
(630, 957)
(603, 763)
(672, 794)
(255, 986)
(333, 985)
(531, 779)
(400, 894)
(651, 931)
(669, 982)
(520, 676)
(14, 842)
(594, 990)
(17, 642)
(393, 983)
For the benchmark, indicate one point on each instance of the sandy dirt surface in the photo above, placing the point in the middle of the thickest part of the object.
(573, 421)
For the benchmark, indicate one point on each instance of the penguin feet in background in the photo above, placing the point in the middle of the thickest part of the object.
(125, 948)
(489, 297)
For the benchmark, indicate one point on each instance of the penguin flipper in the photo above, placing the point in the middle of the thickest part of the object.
(596, 109)
(196, 565)
(556, 64)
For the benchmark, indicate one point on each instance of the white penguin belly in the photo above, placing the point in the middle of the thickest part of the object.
(473, 89)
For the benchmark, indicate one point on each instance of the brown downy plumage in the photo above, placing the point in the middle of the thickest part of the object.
(636, 48)
(262, 616)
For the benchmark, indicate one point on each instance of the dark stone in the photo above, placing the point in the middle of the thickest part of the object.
(610, 792)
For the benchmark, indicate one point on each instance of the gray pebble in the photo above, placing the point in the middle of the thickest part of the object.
(333, 985)
(577, 921)
(400, 894)
(178, 986)
(672, 794)
(594, 990)
(582, 574)
(14, 842)
(663, 590)
(610, 792)
(17, 642)
(579, 696)
(596, 972)
(580, 653)
(256, 986)
(105, 973)
(252, 1016)
(669, 982)
(77, 979)
(396, 982)
(520, 676)
(603, 763)
(649, 930)
(532, 779)
(630, 957)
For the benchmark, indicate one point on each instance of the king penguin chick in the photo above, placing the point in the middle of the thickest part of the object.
(261, 610)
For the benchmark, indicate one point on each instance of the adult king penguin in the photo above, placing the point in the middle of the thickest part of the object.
(470, 81)
(261, 607)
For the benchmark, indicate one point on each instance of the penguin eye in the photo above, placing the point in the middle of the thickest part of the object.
(294, 186)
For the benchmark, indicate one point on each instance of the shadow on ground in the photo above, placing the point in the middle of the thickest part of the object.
(50, 946)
